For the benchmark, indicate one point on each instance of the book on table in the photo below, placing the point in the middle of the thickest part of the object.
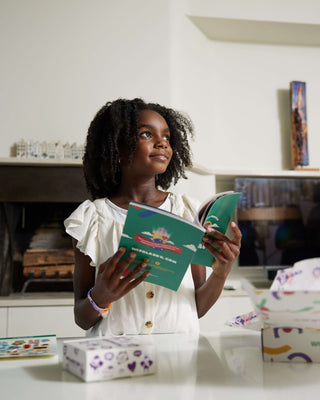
(28, 346)
(170, 243)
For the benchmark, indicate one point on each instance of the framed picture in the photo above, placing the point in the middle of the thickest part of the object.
(299, 126)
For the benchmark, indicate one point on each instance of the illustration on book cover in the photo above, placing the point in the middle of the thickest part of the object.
(158, 240)
(159, 237)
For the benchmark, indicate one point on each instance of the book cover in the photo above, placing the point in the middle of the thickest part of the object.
(164, 240)
(217, 213)
(28, 346)
(169, 243)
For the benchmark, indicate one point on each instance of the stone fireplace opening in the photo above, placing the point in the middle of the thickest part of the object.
(35, 252)
(40, 247)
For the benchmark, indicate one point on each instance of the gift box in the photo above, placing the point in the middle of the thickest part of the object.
(96, 359)
(290, 313)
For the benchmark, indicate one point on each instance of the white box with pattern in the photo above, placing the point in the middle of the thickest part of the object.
(97, 359)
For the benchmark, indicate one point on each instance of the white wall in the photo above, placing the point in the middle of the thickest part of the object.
(61, 60)
(238, 93)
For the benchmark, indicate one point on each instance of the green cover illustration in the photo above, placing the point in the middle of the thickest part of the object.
(166, 241)
(218, 214)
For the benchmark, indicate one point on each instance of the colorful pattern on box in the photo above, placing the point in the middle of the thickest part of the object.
(291, 324)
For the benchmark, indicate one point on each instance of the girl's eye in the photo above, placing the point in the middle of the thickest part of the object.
(167, 138)
(146, 134)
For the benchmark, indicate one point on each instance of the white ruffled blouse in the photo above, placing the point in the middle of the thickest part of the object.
(148, 308)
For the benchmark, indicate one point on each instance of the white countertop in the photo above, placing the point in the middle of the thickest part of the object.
(221, 365)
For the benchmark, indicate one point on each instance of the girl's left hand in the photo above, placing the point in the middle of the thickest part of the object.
(225, 251)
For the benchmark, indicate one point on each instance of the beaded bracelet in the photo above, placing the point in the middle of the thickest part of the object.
(102, 311)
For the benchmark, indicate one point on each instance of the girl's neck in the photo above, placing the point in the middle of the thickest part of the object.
(146, 194)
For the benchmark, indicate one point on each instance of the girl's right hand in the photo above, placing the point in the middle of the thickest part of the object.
(111, 284)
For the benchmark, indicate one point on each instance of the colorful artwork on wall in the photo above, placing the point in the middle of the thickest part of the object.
(299, 125)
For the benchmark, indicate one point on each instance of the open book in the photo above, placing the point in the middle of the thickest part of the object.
(216, 212)
(169, 243)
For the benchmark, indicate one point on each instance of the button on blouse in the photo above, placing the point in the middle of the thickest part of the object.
(150, 294)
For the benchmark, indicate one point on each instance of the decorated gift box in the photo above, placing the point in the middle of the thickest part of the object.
(96, 359)
(290, 313)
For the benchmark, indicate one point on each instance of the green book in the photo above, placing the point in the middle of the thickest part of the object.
(164, 240)
(167, 242)
(218, 213)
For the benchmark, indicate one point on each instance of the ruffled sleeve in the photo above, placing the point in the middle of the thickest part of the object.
(185, 206)
(97, 233)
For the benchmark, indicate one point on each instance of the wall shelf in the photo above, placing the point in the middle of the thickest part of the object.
(40, 162)
(258, 31)
(228, 175)
(224, 180)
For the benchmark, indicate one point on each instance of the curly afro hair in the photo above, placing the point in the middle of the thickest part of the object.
(116, 125)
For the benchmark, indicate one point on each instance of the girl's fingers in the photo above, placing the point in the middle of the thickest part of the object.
(118, 274)
(112, 278)
(112, 270)
(214, 237)
(128, 282)
(137, 281)
(230, 252)
(108, 266)
(226, 250)
(133, 275)
(121, 267)
(213, 232)
(212, 241)
(135, 271)
(217, 253)
(236, 233)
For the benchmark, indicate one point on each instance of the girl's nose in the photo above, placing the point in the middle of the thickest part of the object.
(161, 143)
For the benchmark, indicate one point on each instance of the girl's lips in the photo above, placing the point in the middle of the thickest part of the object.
(161, 157)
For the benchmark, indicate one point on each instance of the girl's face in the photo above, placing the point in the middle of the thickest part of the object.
(153, 152)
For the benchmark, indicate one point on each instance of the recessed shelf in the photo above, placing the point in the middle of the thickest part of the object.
(258, 31)
(268, 174)
(225, 174)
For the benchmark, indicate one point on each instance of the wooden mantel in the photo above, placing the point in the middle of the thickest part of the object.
(36, 181)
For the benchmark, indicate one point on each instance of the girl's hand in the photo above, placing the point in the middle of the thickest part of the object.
(226, 251)
(110, 284)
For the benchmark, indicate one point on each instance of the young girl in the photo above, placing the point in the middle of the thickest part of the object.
(134, 151)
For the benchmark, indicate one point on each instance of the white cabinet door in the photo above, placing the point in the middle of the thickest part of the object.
(3, 321)
(56, 320)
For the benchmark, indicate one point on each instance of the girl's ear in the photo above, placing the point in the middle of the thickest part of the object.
(122, 161)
